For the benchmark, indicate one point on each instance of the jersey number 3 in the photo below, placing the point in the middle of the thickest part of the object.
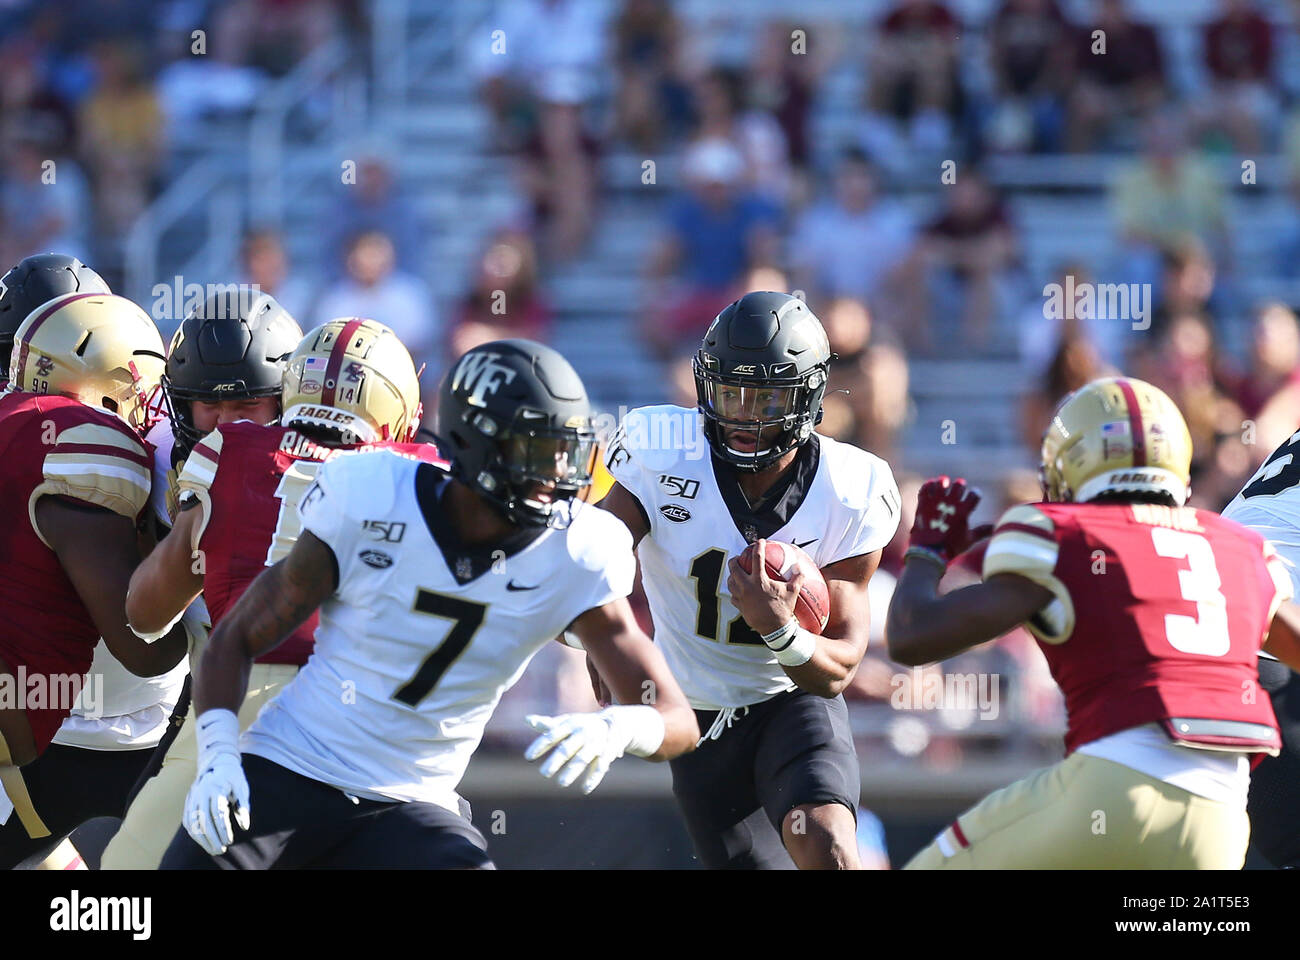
(1207, 632)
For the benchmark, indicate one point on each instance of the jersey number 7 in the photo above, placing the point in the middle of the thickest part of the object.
(466, 618)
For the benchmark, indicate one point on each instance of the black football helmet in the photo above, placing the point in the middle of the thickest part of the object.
(232, 347)
(32, 282)
(514, 419)
(760, 376)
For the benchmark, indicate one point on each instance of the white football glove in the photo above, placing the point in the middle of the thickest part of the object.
(219, 786)
(589, 742)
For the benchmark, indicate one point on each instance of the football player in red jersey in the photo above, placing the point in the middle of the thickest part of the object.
(1150, 615)
(74, 483)
(349, 385)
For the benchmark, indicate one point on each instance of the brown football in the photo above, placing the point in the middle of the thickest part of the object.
(813, 607)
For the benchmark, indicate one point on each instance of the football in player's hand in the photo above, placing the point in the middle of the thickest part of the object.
(814, 604)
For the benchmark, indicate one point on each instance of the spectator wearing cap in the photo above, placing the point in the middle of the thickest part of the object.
(723, 113)
(715, 230)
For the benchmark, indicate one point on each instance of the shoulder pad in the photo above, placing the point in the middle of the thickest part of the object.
(857, 476)
(1023, 542)
(596, 537)
(200, 468)
(654, 438)
(101, 461)
(364, 481)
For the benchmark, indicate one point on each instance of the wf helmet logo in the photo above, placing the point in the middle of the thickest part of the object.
(481, 374)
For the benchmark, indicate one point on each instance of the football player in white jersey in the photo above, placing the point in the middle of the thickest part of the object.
(776, 777)
(1270, 505)
(435, 589)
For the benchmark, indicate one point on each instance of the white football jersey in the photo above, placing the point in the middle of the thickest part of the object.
(422, 636)
(840, 502)
(1269, 504)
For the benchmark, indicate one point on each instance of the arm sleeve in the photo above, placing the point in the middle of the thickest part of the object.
(98, 464)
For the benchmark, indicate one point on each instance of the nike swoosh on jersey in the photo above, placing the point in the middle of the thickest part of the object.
(514, 586)
(806, 542)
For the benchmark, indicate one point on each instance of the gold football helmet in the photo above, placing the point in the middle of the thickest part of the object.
(98, 348)
(1116, 434)
(354, 378)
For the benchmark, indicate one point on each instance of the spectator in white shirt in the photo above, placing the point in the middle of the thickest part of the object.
(374, 288)
(854, 244)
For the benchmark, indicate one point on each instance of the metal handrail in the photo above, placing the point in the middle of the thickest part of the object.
(392, 51)
(388, 60)
(143, 238)
(266, 132)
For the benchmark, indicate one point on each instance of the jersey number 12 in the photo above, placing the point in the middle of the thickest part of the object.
(706, 571)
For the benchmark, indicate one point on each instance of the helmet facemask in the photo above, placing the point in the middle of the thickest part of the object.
(179, 403)
(535, 472)
(752, 422)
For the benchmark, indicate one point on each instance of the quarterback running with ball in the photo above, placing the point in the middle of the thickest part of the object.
(775, 778)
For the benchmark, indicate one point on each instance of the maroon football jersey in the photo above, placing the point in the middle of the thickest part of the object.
(249, 479)
(1158, 615)
(51, 445)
